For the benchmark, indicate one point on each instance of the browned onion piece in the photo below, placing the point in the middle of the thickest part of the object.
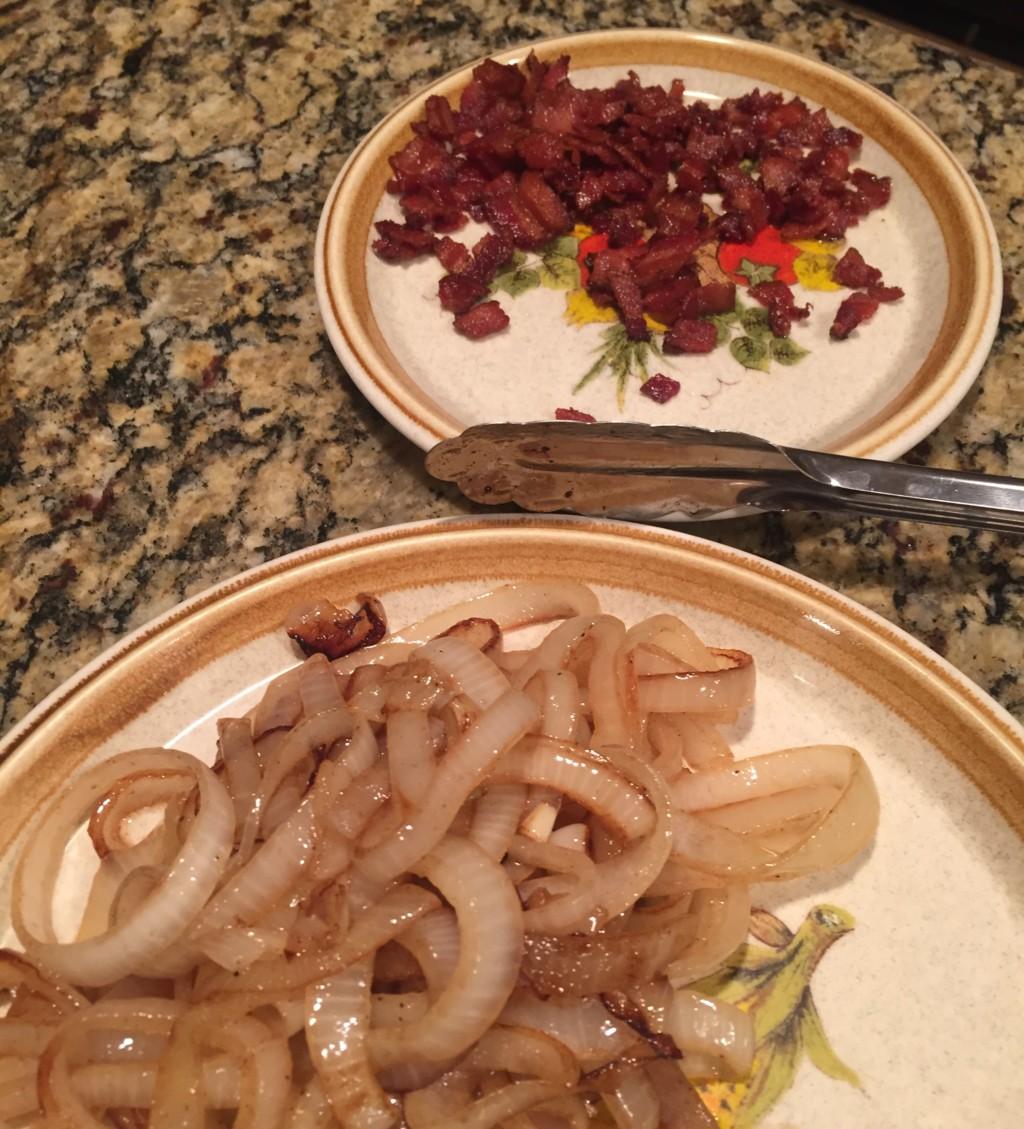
(490, 942)
(521, 1050)
(583, 775)
(634, 1102)
(494, 731)
(130, 795)
(755, 777)
(681, 1106)
(323, 628)
(484, 634)
(19, 974)
(585, 964)
(583, 1024)
(510, 606)
(337, 1027)
(725, 691)
(722, 920)
(394, 912)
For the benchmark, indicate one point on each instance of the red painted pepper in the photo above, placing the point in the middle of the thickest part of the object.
(768, 249)
(587, 247)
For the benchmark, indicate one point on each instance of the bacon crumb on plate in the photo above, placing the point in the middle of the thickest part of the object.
(660, 388)
(690, 335)
(853, 311)
(481, 321)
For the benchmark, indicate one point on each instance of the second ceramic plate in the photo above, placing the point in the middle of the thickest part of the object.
(875, 394)
(891, 994)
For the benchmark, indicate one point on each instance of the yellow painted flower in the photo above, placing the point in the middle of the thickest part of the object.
(819, 246)
(581, 309)
(814, 266)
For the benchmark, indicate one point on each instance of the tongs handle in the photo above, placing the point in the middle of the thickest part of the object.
(867, 486)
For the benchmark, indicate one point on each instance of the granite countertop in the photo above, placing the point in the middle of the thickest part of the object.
(172, 412)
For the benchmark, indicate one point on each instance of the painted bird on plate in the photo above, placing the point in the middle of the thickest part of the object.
(774, 985)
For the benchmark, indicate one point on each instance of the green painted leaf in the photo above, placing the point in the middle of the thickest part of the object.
(756, 272)
(755, 321)
(751, 352)
(723, 324)
(565, 245)
(786, 351)
(621, 359)
(516, 282)
(559, 272)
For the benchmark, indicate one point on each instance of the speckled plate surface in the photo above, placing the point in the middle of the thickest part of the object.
(875, 394)
(917, 962)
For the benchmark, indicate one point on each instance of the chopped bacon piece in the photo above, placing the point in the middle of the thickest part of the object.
(612, 261)
(538, 196)
(690, 335)
(885, 293)
(623, 225)
(677, 213)
(716, 297)
(422, 209)
(542, 150)
(423, 163)
(559, 110)
(664, 257)
(481, 321)
(489, 253)
(439, 118)
(510, 217)
(506, 80)
(869, 190)
(459, 292)
(660, 388)
(629, 300)
(672, 300)
(778, 174)
(782, 310)
(858, 308)
(831, 161)
(854, 272)
(574, 415)
(399, 243)
(455, 257)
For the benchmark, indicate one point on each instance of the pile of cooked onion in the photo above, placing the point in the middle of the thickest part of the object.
(433, 882)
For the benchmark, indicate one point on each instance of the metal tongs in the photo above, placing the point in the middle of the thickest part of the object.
(680, 474)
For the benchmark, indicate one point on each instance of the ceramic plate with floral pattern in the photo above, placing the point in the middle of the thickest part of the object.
(884, 993)
(875, 393)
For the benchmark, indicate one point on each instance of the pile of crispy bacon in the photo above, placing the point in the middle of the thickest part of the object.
(531, 155)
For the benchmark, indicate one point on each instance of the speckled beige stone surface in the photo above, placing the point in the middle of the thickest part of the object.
(172, 412)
